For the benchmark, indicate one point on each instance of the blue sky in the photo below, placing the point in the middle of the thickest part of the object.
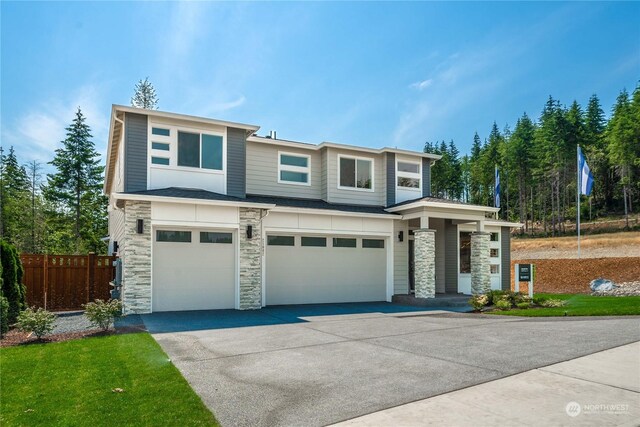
(371, 74)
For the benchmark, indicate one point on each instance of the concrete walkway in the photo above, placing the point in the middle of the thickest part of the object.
(602, 389)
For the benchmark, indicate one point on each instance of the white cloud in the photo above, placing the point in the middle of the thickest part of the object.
(37, 133)
(421, 85)
(224, 106)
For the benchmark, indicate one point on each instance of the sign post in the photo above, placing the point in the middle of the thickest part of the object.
(524, 273)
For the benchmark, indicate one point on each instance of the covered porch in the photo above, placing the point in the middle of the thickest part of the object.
(450, 248)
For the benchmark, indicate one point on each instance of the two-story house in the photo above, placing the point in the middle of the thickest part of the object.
(205, 214)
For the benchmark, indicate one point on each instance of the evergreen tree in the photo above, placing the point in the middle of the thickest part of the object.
(14, 185)
(145, 95)
(623, 146)
(519, 159)
(596, 149)
(75, 193)
(475, 171)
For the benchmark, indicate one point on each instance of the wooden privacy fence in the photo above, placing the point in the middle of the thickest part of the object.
(66, 282)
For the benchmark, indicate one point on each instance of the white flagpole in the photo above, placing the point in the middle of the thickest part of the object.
(578, 196)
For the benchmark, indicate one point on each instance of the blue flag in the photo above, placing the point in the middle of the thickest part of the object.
(496, 190)
(586, 177)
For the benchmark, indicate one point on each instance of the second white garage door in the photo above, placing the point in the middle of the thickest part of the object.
(193, 270)
(325, 269)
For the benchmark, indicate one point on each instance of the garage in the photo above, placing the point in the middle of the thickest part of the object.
(193, 269)
(310, 269)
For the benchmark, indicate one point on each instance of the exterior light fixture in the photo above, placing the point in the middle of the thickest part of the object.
(400, 236)
(249, 231)
(140, 226)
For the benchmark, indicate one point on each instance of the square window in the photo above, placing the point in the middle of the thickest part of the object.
(212, 152)
(189, 149)
(160, 146)
(373, 243)
(160, 161)
(293, 169)
(495, 253)
(161, 131)
(495, 237)
(280, 240)
(356, 173)
(342, 242)
(495, 269)
(314, 241)
(173, 236)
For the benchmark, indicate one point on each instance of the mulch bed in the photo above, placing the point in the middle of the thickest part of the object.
(15, 337)
(573, 276)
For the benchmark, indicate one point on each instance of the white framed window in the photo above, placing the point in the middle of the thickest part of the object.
(355, 173)
(408, 175)
(294, 168)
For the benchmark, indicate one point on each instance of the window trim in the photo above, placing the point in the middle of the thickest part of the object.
(290, 168)
(412, 175)
(173, 150)
(356, 158)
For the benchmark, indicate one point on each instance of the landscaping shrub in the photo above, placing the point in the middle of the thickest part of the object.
(4, 316)
(39, 321)
(554, 303)
(12, 288)
(539, 300)
(523, 305)
(503, 304)
(494, 296)
(103, 313)
(478, 301)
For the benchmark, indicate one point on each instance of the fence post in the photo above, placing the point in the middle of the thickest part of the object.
(91, 259)
(45, 265)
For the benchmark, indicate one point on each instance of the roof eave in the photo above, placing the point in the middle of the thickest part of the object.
(191, 200)
(428, 204)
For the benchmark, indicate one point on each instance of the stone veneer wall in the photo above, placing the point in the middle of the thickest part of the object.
(480, 265)
(425, 263)
(250, 259)
(136, 258)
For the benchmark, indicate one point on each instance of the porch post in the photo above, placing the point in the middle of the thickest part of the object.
(480, 266)
(425, 263)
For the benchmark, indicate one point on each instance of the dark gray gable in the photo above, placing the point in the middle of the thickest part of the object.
(426, 177)
(135, 152)
(505, 249)
(236, 162)
(391, 179)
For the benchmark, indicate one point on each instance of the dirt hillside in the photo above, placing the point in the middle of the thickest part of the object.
(616, 245)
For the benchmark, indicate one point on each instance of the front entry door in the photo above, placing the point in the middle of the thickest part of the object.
(412, 275)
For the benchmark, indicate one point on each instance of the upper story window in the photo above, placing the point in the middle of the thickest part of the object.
(294, 168)
(355, 173)
(199, 150)
(408, 175)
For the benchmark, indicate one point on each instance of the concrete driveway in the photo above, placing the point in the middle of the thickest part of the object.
(320, 364)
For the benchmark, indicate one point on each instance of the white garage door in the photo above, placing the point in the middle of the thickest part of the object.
(325, 269)
(193, 270)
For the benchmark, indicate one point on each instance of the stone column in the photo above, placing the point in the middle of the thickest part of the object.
(425, 263)
(136, 259)
(250, 259)
(480, 265)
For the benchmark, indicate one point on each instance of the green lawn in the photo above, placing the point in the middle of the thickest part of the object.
(581, 305)
(70, 383)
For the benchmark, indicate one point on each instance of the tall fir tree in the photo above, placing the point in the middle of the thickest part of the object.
(145, 95)
(75, 193)
(14, 185)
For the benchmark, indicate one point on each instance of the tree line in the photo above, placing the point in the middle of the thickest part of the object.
(65, 211)
(537, 162)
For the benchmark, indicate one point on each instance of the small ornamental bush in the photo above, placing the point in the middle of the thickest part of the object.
(503, 305)
(494, 295)
(523, 305)
(478, 301)
(39, 321)
(4, 316)
(103, 313)
(552, 303)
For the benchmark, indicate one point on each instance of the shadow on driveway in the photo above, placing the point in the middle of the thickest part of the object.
(182, 321)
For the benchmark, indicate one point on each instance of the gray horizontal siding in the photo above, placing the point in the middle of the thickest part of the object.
(505, 249)
(236, 162)
(451, 257)
(391, 179)
(135, 152)
(426, 177)
(262, 172)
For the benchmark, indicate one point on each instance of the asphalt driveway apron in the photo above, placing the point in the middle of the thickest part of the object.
(320, 364)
